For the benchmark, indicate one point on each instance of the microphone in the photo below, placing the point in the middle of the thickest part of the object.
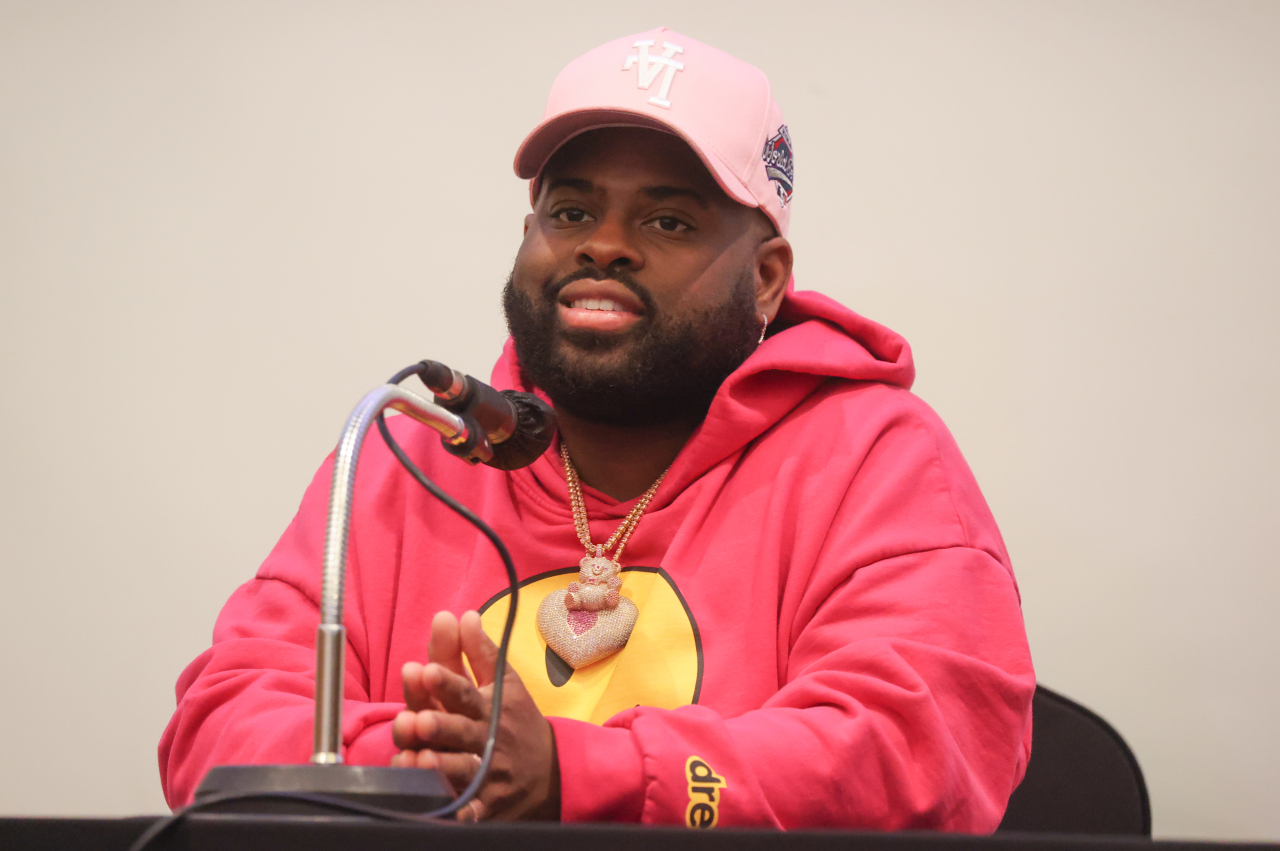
(519, 426)
(515, 429)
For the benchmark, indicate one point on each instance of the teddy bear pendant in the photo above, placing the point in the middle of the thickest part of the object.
(590, 619)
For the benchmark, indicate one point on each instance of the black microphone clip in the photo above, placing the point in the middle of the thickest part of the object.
(519, 427)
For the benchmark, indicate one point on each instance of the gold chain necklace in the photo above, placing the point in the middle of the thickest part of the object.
(623, 532)
(590, 619)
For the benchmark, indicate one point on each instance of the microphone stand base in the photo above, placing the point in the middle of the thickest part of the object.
(410, 790)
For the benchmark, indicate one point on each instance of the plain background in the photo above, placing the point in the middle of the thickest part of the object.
(222, 222)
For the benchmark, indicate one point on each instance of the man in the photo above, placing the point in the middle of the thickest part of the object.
(760, 586)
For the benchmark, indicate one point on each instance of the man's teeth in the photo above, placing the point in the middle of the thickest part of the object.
(595, 304)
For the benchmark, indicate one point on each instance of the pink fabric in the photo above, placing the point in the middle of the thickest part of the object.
(865, 662)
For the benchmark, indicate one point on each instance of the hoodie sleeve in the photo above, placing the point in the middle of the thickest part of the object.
(895, 715)
(248, 699)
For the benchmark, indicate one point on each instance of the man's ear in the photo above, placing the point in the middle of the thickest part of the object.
(773, 271)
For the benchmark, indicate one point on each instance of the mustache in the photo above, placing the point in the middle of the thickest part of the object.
(551, 293)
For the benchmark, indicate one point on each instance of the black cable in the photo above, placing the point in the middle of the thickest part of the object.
(499, 675)
(500, 666)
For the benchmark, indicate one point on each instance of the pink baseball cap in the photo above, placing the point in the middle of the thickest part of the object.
(722, 107)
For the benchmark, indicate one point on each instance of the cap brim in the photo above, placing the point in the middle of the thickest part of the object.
(549, 136)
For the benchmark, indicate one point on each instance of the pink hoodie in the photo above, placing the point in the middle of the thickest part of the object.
(829, 631)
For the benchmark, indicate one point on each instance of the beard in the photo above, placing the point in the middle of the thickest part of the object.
(663, 369)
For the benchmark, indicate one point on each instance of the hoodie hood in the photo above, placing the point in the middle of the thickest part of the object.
(819, 340)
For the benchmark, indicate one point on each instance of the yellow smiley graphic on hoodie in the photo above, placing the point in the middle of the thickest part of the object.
(660, 665)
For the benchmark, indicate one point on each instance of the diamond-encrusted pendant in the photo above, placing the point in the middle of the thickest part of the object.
(581, 637)
(590, 619)
(596, 565)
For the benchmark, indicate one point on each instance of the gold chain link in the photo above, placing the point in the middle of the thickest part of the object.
(629, 523)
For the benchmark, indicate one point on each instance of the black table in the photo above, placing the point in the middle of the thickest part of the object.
(276, 833)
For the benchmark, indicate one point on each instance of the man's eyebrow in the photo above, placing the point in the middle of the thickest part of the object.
(577, 183)
(657, 193)
(662, 193)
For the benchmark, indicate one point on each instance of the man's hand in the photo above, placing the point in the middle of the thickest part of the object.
(447, 719)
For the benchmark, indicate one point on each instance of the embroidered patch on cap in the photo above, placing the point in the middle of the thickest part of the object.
(649, 66)
(779, 164)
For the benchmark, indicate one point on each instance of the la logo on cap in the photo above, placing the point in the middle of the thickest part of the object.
(647, 68)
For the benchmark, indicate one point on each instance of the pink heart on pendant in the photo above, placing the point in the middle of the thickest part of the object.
(582, 637)
(580, 620)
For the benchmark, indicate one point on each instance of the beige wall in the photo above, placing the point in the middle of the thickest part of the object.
(221, 223)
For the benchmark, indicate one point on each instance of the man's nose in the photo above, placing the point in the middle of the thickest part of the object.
(610, 243)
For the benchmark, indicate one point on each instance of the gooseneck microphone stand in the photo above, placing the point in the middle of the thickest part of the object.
(506, 430)
(331, 636)
(284, 788)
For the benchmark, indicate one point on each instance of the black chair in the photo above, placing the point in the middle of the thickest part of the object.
(1082, 777)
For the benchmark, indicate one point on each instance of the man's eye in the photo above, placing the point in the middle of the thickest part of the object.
(573, 215)
(670, 224)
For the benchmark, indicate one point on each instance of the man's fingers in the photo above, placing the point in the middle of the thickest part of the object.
(445, 647)
(404, 731)
(458, 768)
(453, 692)
(445, 650)
(417, 695)
(436, 697)
(481, 652)
(443, 731)
(473, 811)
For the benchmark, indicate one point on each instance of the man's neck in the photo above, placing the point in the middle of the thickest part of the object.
(621, 461)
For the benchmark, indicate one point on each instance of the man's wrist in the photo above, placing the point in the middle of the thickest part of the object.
(549, 809)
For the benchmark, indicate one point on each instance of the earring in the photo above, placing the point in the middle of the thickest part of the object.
(763, 328)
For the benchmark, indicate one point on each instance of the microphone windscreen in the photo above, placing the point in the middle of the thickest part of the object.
(535, 429)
